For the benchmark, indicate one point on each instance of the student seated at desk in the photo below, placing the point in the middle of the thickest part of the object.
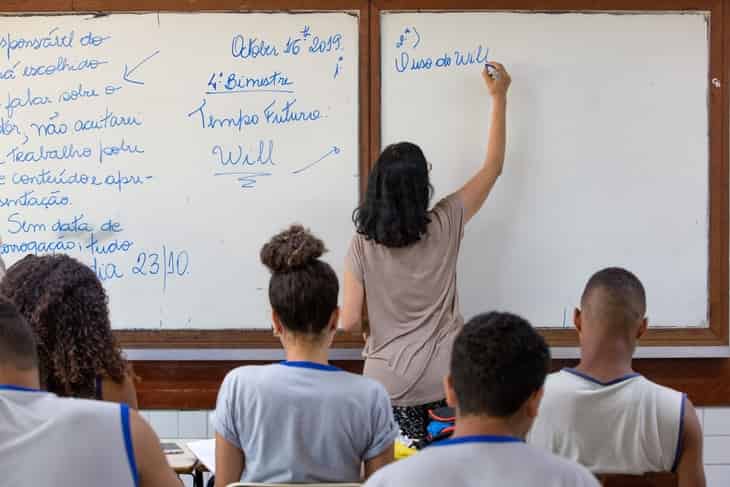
(498, 366)
(47, 440)
(301, 420)
(602, 413)
(67, 308)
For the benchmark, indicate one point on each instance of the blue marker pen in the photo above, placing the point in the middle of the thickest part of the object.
(492, 71)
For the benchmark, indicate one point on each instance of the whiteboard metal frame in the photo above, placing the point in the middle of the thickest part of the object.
(704, 341)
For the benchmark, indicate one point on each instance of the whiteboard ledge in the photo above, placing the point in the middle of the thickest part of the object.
(221, 354)
(274, 354)
(654, 352)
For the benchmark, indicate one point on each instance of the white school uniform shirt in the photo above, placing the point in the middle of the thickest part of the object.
(629, 425)
(48, 440)
(483, 461)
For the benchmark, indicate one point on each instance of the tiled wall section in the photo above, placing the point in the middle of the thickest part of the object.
(715, 421)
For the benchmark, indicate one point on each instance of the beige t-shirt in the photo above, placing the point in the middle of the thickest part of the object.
(413, 306)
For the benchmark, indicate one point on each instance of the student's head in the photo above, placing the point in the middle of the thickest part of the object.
(395, 210)
(66, 306)
(613, 309)
(498, 368)
(303, 289)
(18, 355)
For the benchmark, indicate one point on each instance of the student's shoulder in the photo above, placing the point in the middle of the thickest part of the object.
(88, 411)
(559, 384)
(658, 388)
(554, 466)
(413, 470)
(248, 375)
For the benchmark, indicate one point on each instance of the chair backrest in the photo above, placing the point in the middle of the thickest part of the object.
(648, 480)
(248, 484)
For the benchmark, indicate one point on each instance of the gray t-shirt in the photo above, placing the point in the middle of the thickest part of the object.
(413, 306)
(483, 461)
(303, 422)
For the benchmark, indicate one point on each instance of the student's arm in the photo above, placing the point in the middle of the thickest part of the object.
(691, 471)
(352, 309)
(229, 462)
(152, 466)
(475, 191)
(124, 393)
(379, 461)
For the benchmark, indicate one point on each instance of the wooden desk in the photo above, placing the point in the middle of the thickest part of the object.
(185, 463)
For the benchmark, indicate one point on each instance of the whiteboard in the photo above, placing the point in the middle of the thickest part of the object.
(607, 152)
(165, 149)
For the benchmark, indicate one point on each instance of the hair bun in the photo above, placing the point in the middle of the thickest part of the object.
(291, 249)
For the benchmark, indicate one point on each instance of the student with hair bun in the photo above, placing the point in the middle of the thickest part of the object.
(301, 420)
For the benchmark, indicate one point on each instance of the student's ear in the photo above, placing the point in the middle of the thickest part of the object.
(578, 320)
(450, 393)
(276, 324)
(533, 403)
(334, 320)
(643, 327)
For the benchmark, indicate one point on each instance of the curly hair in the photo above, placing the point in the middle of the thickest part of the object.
(67, 307)
(303, 289)
(498, 361)
(394, 212)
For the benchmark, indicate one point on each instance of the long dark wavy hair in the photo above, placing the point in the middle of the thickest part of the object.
(395, 210)
(67, 307)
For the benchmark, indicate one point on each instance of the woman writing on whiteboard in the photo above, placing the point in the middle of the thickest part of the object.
(403, 258)
(66, 305)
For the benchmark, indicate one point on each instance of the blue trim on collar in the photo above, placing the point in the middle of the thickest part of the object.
(128, 446)
(596, 381)
(310, 365)
(10, 387)
(477, 439)
(680, 440)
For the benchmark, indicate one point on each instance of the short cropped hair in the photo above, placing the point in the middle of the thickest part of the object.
(498, 362)
(17, 342)
(622, 297)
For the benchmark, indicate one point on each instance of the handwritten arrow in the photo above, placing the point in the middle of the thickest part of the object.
(333, 151)
(128, 72)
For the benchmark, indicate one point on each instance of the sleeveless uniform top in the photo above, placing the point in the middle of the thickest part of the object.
(629, 425)
(48, 440)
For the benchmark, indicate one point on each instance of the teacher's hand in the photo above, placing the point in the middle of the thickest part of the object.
(497, 80)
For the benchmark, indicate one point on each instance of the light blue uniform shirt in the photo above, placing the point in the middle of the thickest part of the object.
(304, 422)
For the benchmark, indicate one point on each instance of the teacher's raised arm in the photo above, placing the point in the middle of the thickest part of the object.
(475, 191)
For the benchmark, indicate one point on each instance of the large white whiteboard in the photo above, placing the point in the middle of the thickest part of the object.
(206, 133)
(607, 160)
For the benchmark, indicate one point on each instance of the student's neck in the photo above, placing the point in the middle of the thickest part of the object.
(306, 351)
(607, 362)
(10, 376)
(485, 425)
